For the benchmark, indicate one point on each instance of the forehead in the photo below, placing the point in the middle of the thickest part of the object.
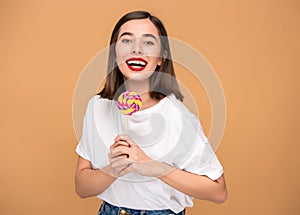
(138, 27)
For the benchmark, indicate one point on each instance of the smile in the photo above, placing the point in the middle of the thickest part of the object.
(136, 64)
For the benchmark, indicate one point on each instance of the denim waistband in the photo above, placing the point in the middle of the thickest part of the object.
(108, 209)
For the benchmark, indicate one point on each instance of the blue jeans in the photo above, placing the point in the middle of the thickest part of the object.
(108, 209)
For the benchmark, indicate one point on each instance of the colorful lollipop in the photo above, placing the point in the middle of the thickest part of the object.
(129, 102)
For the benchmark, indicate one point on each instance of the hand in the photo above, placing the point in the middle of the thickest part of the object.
(117, 162)
(123, 154)
(126, 156)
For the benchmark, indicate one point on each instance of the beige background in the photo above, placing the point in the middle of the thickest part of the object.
(253, 46)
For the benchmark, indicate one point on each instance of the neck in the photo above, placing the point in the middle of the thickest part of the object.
(141, 87)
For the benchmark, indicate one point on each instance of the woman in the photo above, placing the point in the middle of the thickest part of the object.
(165, 159)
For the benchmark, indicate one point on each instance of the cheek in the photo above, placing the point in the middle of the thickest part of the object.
(121, 52)
(152, 51)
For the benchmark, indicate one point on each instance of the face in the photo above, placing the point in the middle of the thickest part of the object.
(138, 49)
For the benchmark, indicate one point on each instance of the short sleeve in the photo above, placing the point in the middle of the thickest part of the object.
(83, 148)
(202, 159)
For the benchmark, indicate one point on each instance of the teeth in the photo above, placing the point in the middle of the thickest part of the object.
(137, 67)
(136, 62)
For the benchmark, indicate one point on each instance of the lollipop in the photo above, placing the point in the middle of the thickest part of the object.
(129, 102)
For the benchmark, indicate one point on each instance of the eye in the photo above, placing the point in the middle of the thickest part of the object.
(149, 43)
(126, 41)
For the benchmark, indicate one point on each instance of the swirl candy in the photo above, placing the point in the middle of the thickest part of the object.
(129, 102)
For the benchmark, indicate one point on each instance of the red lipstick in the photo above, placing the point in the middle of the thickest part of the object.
(136, 64)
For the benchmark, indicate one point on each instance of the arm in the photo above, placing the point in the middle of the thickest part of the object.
(197, 186)
(90, 182)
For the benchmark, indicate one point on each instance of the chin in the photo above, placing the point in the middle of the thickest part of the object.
(137, 78)
(134, 76)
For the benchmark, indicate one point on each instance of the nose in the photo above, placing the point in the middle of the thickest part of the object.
(136, 47)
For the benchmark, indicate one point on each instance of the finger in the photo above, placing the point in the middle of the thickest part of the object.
(124, 155)
(120, 164)
(118, 137)
(111, 156)
(115, 159)
(120, 151)
(125, 138)
(120, 143)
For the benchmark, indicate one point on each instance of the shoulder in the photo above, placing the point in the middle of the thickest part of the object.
(97, 102)
(91, 102)
(179, 105)
(186, 116)
(173, 108)
(96, 99)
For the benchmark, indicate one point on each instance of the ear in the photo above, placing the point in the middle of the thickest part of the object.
(165, 55)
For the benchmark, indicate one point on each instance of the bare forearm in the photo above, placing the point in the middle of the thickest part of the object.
(197, 186)
(91, 182)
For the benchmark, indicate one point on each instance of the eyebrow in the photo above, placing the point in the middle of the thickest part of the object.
(144, 35)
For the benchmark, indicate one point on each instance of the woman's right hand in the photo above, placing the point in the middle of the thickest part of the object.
(117, 163)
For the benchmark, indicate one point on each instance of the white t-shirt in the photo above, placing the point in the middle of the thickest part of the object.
(167, 131)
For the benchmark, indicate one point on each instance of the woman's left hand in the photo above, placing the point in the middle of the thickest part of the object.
(138, 161)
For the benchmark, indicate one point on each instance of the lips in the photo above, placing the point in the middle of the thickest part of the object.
(136, 64)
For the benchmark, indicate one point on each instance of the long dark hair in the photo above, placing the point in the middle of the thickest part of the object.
(160, 86)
